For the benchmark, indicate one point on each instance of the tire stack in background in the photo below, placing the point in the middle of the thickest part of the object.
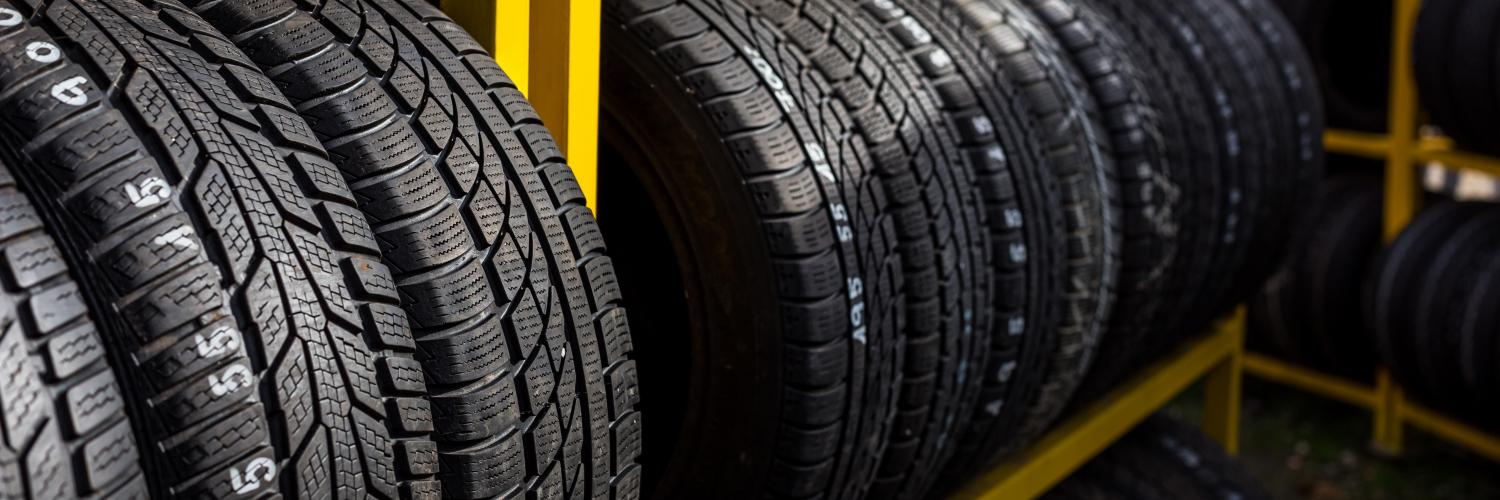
(1347, 303)
(257, 249)
(1455, 65)
(880, 245)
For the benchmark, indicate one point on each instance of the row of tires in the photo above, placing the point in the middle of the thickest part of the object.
(875, 246)
(1423, 306)
(259, 249)
(1454, 55)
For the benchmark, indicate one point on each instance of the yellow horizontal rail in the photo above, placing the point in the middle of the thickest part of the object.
(1361, 144)
(1079, 438)
(1440, 150)
(1451, 430)
(1311, 381)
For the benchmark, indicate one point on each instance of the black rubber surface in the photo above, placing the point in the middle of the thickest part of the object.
(1149, 187)
(999, 139)
(758, 165)
(65, 432)
(1188, 90)
(1480, 344)
(1295, 110)
(1256, 180)
(1449, 278)
(1078, 150)
(1472, 64)
(1394, 289)
(499, 264)
(1161, 459)
(946, 362)
(1330, 272)
(1432, 53)
(1349, 44)
(259, 329)
(1456, 68)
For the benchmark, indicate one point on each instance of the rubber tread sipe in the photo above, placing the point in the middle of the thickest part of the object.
(66, 434)
(1078, 150)
(258, 328)
(502, 272)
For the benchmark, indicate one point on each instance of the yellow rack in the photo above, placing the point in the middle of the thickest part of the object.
(1215, 359)
(1403, 150)
(550, 48)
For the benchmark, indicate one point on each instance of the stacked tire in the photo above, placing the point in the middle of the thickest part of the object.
(1455, 61)
(1310, 311)
(880, 245)
(318, 252)
(1432, 300)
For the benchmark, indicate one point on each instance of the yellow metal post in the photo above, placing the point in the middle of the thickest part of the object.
(565, 81)
(1402, 192)
(1079, 438)
(1221, 389)
(550, 49)
(503, 27)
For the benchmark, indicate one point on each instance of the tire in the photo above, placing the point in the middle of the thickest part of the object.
(789, 302)
(1471, 76)
(998, 138)
(1432, 52)
(1185, 89)
(65, 427)
(1330, 270)
(530, 370)
(1448, 278)
(253, 319)
(1161, 458)
(1317, 290)
(1235, 56)
(1295, 108)
(1349, 45)
(1151, 177)
(940, 389)
(1393, 288)
(1077, 148)
(1480, 345)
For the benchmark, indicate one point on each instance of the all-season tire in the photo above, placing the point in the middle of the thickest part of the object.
(1182, 90)
(1393, 288)
(502, 271)
(1456, 69)
(942, 378)
(1078, 150)
(1448, 278)
(778, 219)
(1325, 278)
(1295, 109)
(1480, 345)
(65, 429)
(1150, 187)
(1237, 61)
(998, 137)
(256, 330)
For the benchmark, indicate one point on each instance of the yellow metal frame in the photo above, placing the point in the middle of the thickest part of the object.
(1216, 359)
(550, 49)
(1403, 150)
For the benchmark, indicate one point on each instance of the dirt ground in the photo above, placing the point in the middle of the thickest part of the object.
(1307, 448)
